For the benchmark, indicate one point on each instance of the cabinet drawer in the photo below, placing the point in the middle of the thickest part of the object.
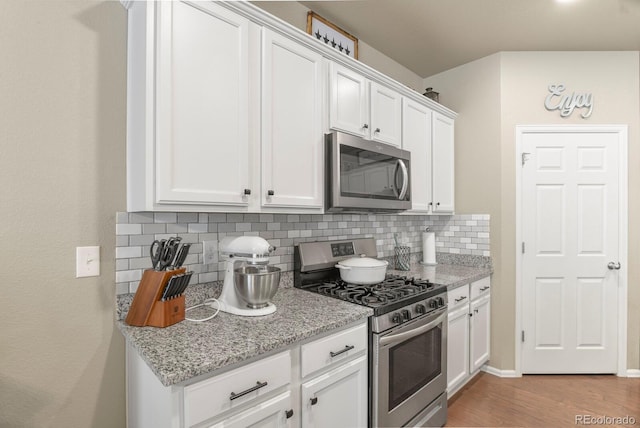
(337, 347)
(458, 296)
(208, 398)
(480, 287)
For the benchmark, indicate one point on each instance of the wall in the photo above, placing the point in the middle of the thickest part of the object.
(457, 234)
(523, 77)
(62, 133)
(296, 14)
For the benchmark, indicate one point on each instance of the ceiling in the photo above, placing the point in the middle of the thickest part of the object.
(430, 36)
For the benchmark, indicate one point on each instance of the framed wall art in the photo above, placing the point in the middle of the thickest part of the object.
(332, 35)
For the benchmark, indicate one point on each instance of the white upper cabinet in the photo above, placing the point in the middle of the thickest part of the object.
(292, 137)
(348, 101)
(416, 137)
(443, 163)
(386, 115)
(188, 106)
(364, 108)
(202, 117)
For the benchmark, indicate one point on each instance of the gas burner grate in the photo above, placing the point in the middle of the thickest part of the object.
(392, 289)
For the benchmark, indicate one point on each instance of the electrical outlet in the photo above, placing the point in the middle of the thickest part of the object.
(87, 261)
(209, 252)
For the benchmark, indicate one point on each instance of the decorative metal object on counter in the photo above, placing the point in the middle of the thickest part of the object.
(430, 93)
(403, 256)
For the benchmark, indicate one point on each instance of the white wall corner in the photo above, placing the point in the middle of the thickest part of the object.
(500, 373)
(633, 372)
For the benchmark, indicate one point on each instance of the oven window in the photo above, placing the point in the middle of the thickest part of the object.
(368, 174)
(413, 364)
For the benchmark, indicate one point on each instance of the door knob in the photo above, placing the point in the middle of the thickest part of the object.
(613, 266)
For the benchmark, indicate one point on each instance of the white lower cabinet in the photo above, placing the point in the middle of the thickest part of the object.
(319, 383)
(273, 413)
(337, 398)
(458, 347)
(468, 336)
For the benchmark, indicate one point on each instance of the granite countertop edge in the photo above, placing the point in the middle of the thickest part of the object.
(187, 350)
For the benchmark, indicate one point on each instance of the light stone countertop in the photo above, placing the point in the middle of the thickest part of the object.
(185, 350)
(452, 276)
(188, 349)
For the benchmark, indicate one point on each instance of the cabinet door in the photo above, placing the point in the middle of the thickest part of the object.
(386, 114)
(480, 328)
(457, 348)
(443, 164)
(202, 117)
(337, 398)
(416, 137)
(292, 138)
(348, 101)
(273, 413)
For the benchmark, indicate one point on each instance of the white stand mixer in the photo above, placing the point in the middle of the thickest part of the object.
(252, 250)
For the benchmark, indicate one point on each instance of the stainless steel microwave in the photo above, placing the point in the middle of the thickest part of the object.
(365, 176)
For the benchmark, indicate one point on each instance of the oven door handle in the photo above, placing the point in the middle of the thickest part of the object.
(401, 337)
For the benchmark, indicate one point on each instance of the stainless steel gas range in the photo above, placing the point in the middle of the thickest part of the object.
(407, 333)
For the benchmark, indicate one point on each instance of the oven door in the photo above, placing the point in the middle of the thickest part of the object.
(409, 369)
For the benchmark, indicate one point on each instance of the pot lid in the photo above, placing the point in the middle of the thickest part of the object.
(363, 261)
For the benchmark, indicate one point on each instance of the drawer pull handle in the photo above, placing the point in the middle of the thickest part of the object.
(346, 348)
(484, 288)
(288, 413)
(314, 401)
(460, 299)
(259, 385)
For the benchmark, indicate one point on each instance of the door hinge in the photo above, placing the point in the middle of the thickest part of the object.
(523, 335)
(524, 157)
(523, 248)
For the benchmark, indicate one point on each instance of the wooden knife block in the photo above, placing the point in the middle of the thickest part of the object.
(146, 307)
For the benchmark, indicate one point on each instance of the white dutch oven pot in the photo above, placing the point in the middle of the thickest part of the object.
(362, 270)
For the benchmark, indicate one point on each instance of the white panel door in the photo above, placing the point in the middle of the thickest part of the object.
(416, 137)
(570, 191)
(202, 117)
(443, 164)
(386, 115)
(292, 138)
(348, 101)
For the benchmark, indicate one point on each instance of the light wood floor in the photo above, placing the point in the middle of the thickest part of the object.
(545, 401)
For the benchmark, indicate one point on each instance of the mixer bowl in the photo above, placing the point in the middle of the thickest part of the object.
(256, 285)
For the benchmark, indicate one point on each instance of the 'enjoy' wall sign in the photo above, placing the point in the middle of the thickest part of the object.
(565, 103)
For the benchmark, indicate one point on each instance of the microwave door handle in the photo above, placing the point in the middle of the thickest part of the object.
(395, 180)
(405, 179)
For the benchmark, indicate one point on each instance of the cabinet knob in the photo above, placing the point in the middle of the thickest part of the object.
(314, 401)
(270, 192)
(288, 413)
(247, 191)
(437, 204)
(365, 126)
(377, 130)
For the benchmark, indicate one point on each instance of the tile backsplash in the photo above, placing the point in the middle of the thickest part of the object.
(455, 234)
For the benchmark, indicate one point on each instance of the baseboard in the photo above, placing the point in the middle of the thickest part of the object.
(633, 372)
(500, 373)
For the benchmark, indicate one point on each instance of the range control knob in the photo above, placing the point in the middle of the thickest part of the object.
(420, 308)
(440, 301)
(396, 318)
(433, 303)
(406, 315)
